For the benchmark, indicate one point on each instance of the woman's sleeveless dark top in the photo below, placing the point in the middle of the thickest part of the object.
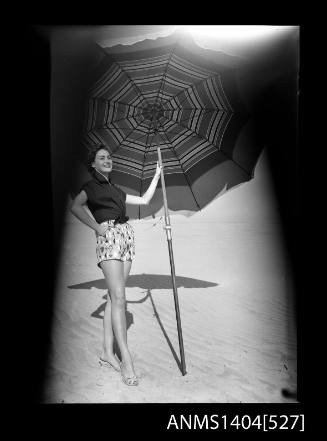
(105, 200)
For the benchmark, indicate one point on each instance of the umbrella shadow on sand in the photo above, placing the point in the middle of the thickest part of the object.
(146, 282)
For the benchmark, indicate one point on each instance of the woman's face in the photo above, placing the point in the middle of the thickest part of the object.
(102, 161)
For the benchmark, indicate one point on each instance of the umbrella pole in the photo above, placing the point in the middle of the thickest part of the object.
(172, 266)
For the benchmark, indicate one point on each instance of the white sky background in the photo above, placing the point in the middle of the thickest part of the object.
(241, 40)
(254, 199)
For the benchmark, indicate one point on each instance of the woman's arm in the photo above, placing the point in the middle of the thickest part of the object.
(146, 198)
(78, 209)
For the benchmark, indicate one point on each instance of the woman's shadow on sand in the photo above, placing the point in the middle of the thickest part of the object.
(146, 282)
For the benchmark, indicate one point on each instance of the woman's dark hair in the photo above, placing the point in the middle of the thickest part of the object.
(92, 154)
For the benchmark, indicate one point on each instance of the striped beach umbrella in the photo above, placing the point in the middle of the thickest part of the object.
(171, 100)
(172, 94)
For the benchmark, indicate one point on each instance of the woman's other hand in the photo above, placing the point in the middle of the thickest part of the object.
(101, 230)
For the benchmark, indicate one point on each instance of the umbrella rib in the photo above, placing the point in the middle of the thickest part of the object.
(136, 139)
(144, 156)
(219, 150)
(118, 120)
(202, 111)
(114, 102)
(172, 148)
(105, 124)
(119, 111)
(126, 118)
(124, 139)
(140, 137)
(196, 84)
(116, 110)
(135, 86)
(163, 79)
(130, 79)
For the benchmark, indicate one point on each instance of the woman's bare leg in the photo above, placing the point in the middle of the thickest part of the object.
(115, 277)
(127, 268)
(108, 352)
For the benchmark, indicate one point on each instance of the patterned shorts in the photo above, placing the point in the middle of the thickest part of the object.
(117, 243)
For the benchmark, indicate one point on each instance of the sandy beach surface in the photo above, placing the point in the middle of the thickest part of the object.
(235, 294)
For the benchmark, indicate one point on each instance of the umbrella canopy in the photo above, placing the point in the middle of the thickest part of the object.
(172, 94)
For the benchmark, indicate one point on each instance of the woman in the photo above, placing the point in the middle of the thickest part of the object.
(115, 250)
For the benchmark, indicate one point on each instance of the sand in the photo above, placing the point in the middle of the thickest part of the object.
(235, 295)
